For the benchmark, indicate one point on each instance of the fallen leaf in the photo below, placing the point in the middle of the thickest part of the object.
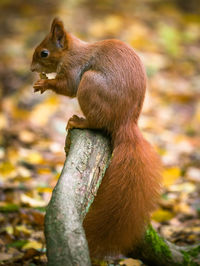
(23, 172)
(9, 207)
(44, 189)
(193, 174)
(7, 170)
(5, 256)
(170, 176)
(32, 244)
(42, 112)
(162, 215)
(34, 158)
(183, 208)
(44, 171)
(26, 136)
(38, 217)
(131, 262)
(9, 229)
(3, 121)
(184, 187)
(23, 229)
(32, 202)
(17, 244)
(11, 255)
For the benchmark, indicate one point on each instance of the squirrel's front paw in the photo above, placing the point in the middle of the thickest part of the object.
(40, 85)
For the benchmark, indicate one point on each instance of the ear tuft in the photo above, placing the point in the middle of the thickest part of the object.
(56, 21)
(58, 33)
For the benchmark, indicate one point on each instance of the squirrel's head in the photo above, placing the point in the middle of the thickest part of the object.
(48, 53)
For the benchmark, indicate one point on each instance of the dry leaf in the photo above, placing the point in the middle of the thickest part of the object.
(5, 256)
(170, 176)
(32, 202)
(193, 174)
(33, 244)
(26, 136)
(42, 112)
(184, 187)
(34, 158)
(183, 208)
(7, 170)
(23, 229)
(3, 121)
(162, 215)
(130, 262)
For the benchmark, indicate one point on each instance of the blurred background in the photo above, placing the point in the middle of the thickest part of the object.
(166, 35)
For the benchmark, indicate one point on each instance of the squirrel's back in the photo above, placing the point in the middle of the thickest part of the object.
(120, 63)
(121, 75)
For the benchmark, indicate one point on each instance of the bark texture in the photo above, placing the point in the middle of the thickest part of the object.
(88, 155)
(85, 165)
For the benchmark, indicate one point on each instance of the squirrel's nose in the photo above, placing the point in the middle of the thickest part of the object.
(34, 67)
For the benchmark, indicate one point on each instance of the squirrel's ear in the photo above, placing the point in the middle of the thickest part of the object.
(58, 33)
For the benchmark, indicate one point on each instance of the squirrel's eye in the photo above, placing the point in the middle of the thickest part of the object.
(44, 53)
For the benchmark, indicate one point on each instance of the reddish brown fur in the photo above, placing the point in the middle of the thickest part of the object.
(109, 81)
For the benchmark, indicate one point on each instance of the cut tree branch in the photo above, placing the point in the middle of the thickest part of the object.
(87, 160)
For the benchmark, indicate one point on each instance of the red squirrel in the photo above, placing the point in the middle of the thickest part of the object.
(109, 81)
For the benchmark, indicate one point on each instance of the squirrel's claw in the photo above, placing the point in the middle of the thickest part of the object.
(39, 86)
(77, 122)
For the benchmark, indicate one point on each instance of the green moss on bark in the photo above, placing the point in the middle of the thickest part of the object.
(162, 250)
(157, 242)
(187, 259)
(190, 255)
(194, 252)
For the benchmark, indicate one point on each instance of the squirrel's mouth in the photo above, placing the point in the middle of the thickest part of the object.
(36, 67)
(42, 71)
(44, 75)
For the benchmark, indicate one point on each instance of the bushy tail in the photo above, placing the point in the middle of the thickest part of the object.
(126, 197)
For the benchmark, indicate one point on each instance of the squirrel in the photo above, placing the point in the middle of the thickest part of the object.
(109, 81)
